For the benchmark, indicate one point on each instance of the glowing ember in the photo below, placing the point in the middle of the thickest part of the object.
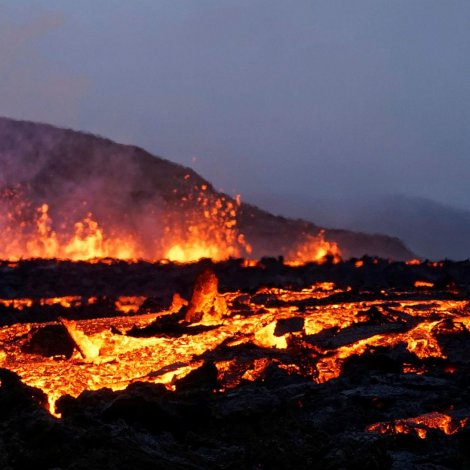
(413, 262)
(425, 284)
(129, 304)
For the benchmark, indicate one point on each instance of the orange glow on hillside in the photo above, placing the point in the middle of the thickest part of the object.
(201, 225)
(87, 242)
(314, 249)
(208, 231)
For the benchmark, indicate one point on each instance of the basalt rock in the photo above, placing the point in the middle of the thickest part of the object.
(50, 340)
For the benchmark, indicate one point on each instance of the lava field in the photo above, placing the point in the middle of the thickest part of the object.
(362, 364)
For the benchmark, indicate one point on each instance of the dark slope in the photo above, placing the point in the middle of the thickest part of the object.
(125, 185)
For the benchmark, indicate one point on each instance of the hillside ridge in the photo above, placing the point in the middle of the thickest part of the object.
(79, 171)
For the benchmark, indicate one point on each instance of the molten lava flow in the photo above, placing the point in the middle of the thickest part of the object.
(87, 348)
(420, 425)
(266, 338)
(123, 304)
(17, 304)
(315, 332)
(314, 249)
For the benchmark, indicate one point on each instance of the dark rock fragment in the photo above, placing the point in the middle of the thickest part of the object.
(49, 340)
(15, 395)
(377, 360)
(454, 340)
(288, 325)
(203, 378)
(144, 405)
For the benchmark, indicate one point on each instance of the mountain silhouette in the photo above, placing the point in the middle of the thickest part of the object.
(129, 190)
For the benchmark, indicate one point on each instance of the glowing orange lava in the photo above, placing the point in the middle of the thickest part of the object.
(205, 226)
(208, 231)
(420, 425)
(88, 241)
(107, 357)
(314, 249)
(200, 224)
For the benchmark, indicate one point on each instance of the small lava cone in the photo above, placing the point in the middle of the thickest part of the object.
(206, 303)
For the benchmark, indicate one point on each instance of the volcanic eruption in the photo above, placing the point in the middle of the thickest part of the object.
(143, 310)
(70, 195)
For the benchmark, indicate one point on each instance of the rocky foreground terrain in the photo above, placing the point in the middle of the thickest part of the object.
(358, 365)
